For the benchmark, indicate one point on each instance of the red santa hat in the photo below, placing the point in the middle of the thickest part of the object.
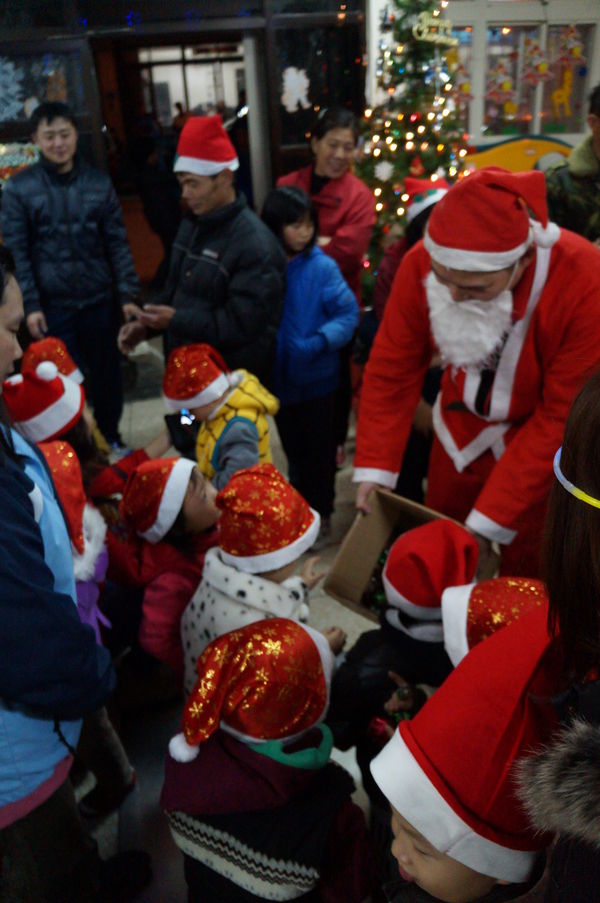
(474, 612)
(154, 494)
(196, 375)
(422, 193)
(266, 681)
(450, 771)
(42, 403)
(421, 564)
(204, 147)
(483, 223)
(265, 523)
(55, 350)
(86, 526)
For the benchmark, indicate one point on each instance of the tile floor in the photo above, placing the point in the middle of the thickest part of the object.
(140, 823)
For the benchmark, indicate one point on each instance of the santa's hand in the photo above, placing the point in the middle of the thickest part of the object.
(336, 638)
(362, 496)
(309, 572)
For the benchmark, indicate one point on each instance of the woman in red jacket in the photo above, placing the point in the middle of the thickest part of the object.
(346, 215)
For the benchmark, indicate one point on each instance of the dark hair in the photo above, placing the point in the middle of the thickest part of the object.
(91, 459)
(571, 546)
(7, 268)
(51, 110)
(285, 206)
(334, 118)
(416, 228)
(594, 109)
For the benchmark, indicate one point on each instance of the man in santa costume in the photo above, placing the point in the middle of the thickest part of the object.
(512, 304)
(226, 279)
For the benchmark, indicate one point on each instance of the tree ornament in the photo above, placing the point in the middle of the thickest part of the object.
(416, 168)
(384, 170)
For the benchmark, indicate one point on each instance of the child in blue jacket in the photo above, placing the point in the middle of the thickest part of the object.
(320, 315)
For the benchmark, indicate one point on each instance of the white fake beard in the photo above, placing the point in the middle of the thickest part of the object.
(466, 332)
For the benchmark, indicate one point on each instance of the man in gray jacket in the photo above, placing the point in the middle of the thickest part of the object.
(62, 221)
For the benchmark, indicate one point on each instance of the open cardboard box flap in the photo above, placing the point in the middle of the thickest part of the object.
(366, 539)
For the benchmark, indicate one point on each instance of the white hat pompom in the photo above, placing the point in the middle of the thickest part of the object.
(47, 370)
(180, 749)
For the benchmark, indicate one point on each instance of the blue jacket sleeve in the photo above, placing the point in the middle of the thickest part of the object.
(49, 661)
(340, 306)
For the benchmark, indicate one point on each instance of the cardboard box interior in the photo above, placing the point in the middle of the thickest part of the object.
(364, 543)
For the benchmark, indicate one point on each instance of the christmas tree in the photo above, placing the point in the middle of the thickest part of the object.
(417, 130)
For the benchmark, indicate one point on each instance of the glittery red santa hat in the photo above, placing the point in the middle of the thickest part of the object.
(422, 563)
(204, 147)
(265, 523)
(51, 349)
(266, 681)
(154, 494)
(473, 612)
(450, 771)
(483, 223)
(42, 403)
(195, 375)
(422, 193)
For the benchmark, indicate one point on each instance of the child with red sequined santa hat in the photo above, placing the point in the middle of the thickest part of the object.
(460, 832)
(265, 527)
(254, 803)
(230, 408)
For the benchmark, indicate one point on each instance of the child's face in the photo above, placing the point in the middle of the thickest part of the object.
(203, 411)
(199, 509)
(297, 235)
(435, 872)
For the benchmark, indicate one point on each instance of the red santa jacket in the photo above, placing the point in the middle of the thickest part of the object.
(346, 212)
(553, 346)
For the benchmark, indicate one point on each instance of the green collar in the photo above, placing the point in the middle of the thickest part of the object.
(311, 758)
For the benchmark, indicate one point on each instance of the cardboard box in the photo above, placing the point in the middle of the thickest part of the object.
(366, 539)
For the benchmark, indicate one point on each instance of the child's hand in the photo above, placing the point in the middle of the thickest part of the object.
(336, 638)
(309, 572)
(402, 699)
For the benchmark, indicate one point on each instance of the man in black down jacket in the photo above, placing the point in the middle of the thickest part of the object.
(226, 279)
(62, 221)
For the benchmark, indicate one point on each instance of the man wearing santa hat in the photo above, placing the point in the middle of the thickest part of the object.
(226, 280)
(512, 304)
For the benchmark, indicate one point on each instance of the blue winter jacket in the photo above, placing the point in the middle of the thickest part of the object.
(320, 315)
(50, 665)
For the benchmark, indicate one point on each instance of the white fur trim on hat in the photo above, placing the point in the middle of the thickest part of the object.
(395, 598)
(56, 417)
(271, 561)
(180, 749)
(402, 780)
(455, 607)
(76, 375)
(94, 534)
(424, 631)
(171, 500)
(212, 392)
(431, 197)
(474, 261)
(204, 167)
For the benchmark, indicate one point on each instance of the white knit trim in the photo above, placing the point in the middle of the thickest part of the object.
(94, 534)
(395, 598)
(455, 607)
(432, 198)
(214, 390)
(54, 419)
(198, 167)
(474, 261)
(386, 478)
(424, 631)
(487, 527)
(271, 561)
(171, 500)
(402, 780)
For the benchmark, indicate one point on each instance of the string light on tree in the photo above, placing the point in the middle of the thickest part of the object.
(415, 67)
